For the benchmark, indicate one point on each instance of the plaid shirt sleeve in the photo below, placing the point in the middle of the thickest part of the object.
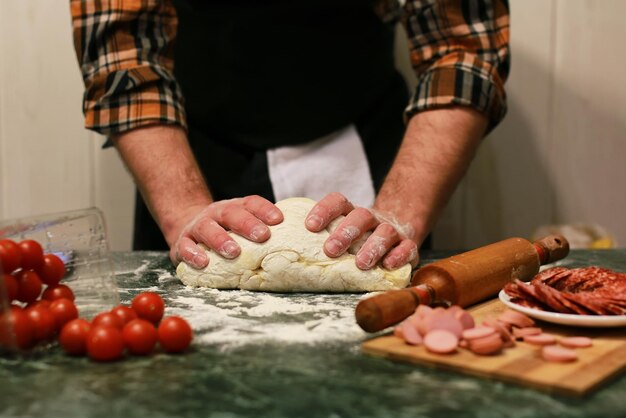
(125, 52)
(460, 52)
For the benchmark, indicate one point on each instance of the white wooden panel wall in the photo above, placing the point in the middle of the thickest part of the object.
(558, 157)
(48, 161)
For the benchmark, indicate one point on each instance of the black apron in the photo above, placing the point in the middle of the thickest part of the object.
(262, 74)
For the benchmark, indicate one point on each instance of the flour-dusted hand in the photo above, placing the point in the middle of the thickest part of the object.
(247, 216)
(388, 240)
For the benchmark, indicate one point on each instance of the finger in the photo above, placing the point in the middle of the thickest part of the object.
(242, 222)
(188, 251)
(383, 238)
(351, 228)
(263, 209)
(208, 232)
(326, 210)
(404, 252)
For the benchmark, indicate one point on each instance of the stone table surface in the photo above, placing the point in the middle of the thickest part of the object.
(272, 355)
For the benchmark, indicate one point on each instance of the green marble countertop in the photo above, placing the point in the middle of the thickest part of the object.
(272, 355)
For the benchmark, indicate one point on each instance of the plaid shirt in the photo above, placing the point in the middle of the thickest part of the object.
(458, 48)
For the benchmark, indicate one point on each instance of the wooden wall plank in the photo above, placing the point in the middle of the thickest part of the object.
(115, 194)
(507, 191)
(46, 164)
(588, 145)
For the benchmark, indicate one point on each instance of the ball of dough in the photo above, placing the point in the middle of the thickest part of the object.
(292, 260)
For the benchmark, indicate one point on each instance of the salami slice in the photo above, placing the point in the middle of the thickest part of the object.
(584, 291)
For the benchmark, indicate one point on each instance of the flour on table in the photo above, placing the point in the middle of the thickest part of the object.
(292, 260)
(235, 318)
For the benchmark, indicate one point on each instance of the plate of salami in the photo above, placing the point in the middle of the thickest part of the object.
(579, 320)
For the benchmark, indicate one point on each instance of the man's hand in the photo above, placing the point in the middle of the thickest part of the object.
(166, 173)
(390, 242)
(247, 216)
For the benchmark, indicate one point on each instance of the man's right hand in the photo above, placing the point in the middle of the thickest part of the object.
(247, 216)
(172, 185)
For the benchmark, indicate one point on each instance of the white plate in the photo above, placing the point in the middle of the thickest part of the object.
(598, 321)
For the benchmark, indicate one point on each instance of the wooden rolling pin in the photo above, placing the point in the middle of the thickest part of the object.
(463, 279)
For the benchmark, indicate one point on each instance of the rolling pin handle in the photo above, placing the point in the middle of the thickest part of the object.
(381, 311)
(552, 248)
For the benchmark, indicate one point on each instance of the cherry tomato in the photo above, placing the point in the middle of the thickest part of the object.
(175, 334)
(148, 306)
(29, 286)
(140, 336)
(73, 337)
(16, 330)
(51, 270)
(10, 256)
(42, 302)
(11, 286)
(105, 343)
(125, 313)
(42, 321)
(64, 311)
(32, 254)
(107, 319)
(58, 291)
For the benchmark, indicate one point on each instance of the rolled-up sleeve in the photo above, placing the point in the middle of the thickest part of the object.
(460, 52)
(125, 52)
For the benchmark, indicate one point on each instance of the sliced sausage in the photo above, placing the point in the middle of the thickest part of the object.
(465, 318)
(410, 334)
(478, 332)
(445, 322)
(540, 339)
(489, 344)
(520, 333)
(515, 318)
(558, 354)
(440, 341)
(576, 342)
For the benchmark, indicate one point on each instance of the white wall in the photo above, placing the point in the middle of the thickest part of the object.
(559, 155)
(557, 158)
(48, 161)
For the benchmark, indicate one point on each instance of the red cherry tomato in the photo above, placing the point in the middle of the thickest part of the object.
(32, 254)
(10, 256)
(148, 306)
(73, 337)
(11, 287)
(51, 270)
(16, 330)
(107, 319)
(105, 343)
(140, 336)
(29, 286)
(42, 321)
(125, 313)
(175, 334)
(58, 291)
(43, 303)
(64, 311)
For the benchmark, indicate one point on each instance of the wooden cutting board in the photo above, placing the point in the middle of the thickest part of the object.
(523, 364)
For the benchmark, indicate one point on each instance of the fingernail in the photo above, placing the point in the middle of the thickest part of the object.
(366, 259)
(199, 260)
(273, 216)
(258, 232)
(229, 249)
(391, 262)
(314, 222)
(334, 247)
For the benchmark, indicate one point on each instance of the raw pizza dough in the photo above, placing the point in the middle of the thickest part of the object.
(292, 260)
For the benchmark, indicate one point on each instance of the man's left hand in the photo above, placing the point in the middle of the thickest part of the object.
(389, 242)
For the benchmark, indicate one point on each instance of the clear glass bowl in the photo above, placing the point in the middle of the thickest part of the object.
(80, 239)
